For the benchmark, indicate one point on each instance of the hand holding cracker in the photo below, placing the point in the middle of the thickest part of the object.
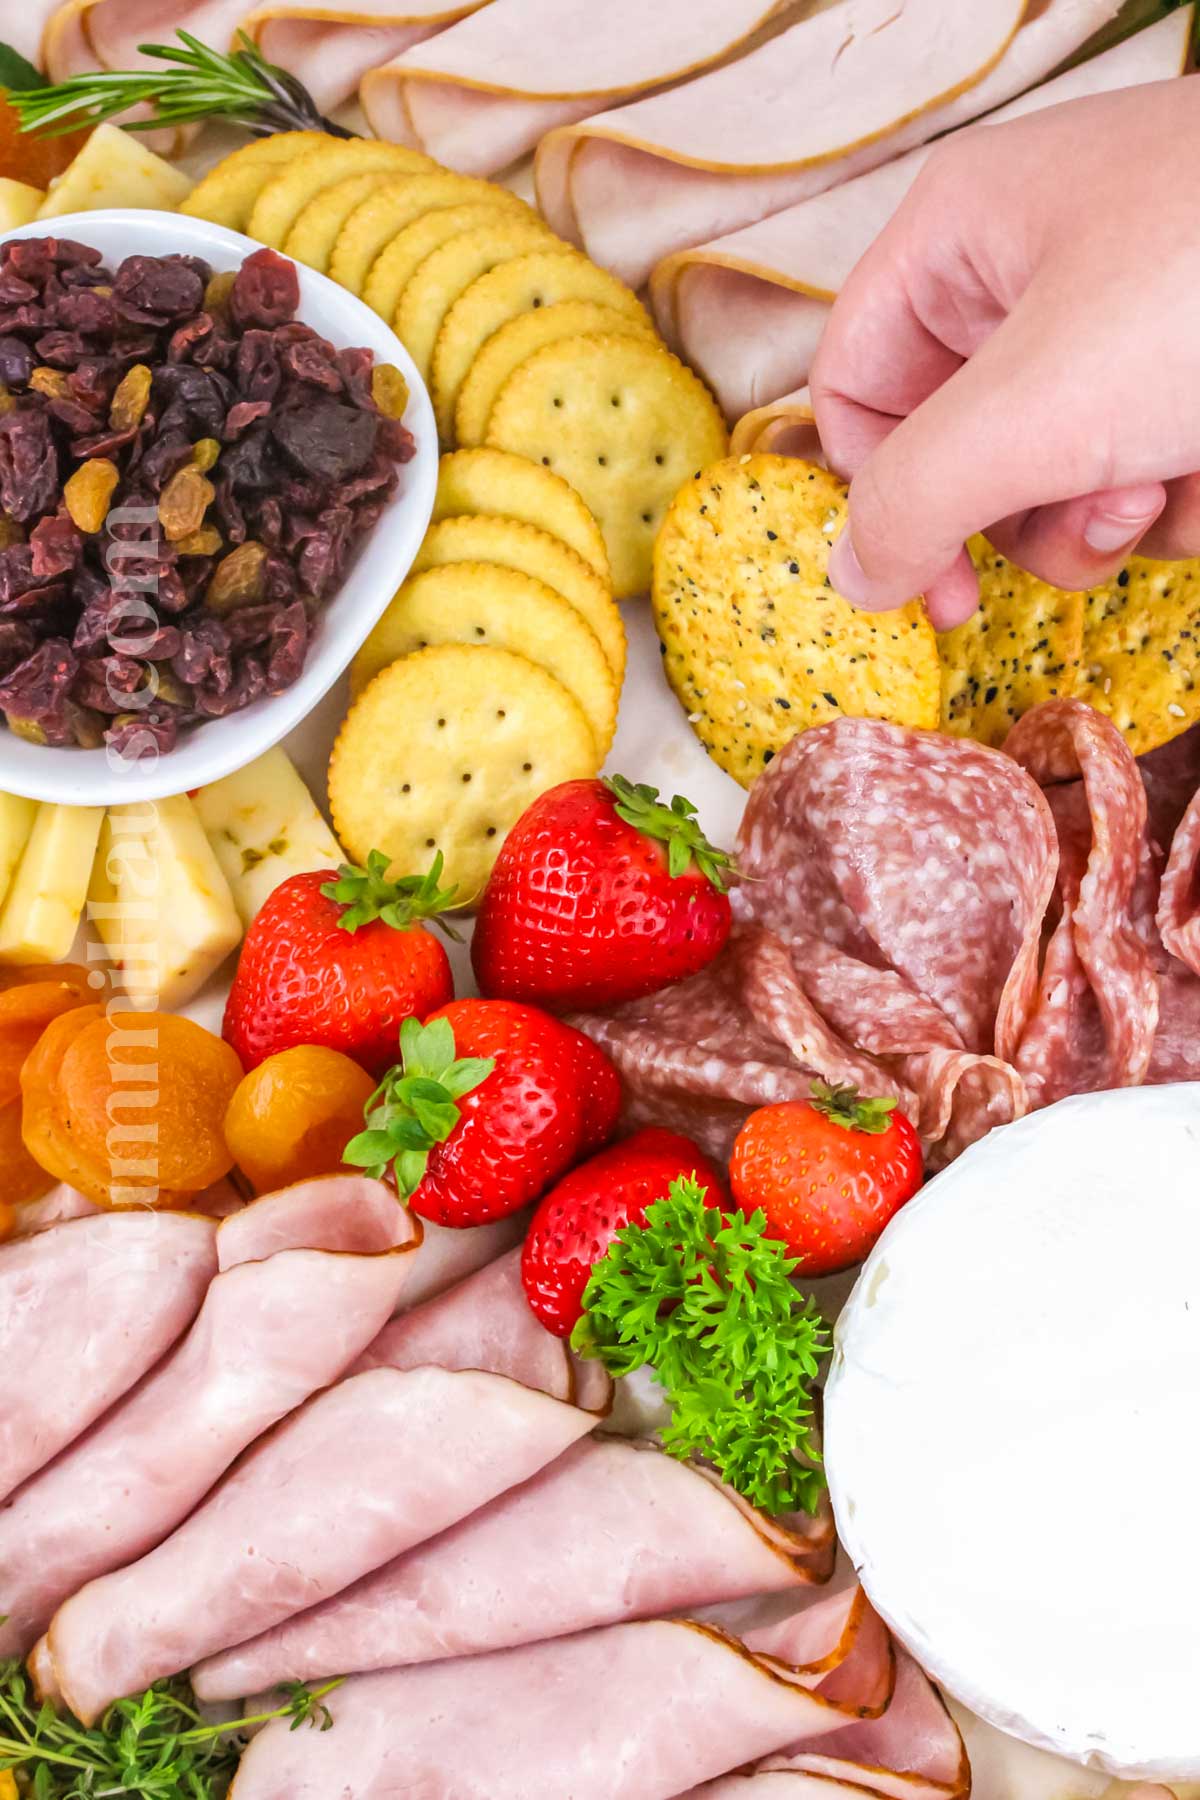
(1019, 346)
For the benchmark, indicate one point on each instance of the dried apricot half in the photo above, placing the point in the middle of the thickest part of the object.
(292, 1116)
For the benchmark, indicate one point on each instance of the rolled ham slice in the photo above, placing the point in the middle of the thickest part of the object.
(485, 92)
(355, 1477)
(613, 1530)
(104, 34)
(748, 309)
(308, 1277)
(85, 1309)
(836, 94)
(330, 48)
(633, 1712)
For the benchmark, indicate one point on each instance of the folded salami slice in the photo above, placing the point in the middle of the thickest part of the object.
(486, 91)
(85, 1309)
(330, 48)
(633, 1712)
(308, 1276)
(748, 309)
(635, 184)
(613, 1530)
(369, 1469)
(1179, 896)
(1097, 1009)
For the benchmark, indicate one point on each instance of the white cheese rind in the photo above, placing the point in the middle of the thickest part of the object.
(1010, 1430)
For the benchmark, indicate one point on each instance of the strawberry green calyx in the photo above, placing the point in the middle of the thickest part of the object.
(674, 825)
(368, 894)
(414, 1107)
(845, 1107)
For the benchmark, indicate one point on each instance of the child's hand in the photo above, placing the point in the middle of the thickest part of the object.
(1019, 352)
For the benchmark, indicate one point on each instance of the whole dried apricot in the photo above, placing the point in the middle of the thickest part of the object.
(26, 1008)
(292, 1116)
(24, 1179)
(143, 1097)
(43, 1128)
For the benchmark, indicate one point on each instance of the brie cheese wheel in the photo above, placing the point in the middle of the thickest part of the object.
(1012, 1437)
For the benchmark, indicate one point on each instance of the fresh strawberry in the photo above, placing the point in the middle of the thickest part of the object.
(480, 1115)
(599, 1088)
(600, 894)
(341, 963)
(578, 1220)
(828, 1172)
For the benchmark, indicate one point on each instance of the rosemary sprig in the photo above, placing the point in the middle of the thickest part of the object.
(153, 1747)
(202, 83)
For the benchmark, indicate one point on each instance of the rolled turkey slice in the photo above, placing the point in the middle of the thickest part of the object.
(786, 427)
(837, 93)
(330, 48)
(632, 1712)
(748, 309)
(85, 1309)
(614, 1530)
(82, 35)
(369, 1468)
(307, 1278)
(485, 92)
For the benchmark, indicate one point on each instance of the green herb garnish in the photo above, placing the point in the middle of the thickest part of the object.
(17, 72)
(154, 1747)
(414, 1107)
(202, 83)
(368, 894)
(675, 826)
(706, 1299)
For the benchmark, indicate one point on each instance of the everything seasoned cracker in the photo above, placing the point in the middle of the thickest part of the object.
(444, 751)
(478, 603)
(512, 545)
(511, 487)
(227, 194)
(757, 645)
(524, 285)
(396, 204)
(1021, 647)
(437, 283)
(318, 225)
(516, 342)
(399, 261)
(625, 423)
(1141, 651)
(290, 189)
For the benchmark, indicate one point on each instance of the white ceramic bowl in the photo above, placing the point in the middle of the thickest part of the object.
(219, 746)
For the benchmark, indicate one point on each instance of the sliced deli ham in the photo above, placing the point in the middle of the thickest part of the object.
(632, 1712)
(748, 309)
(835, 94)
(485, 92)
(613, 1530)
(302, 1290)
(330, 48)
(85, 1309)
(390, 1457)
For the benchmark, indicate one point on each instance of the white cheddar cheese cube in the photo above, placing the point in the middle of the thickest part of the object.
(16, 822)
(19, 203)
(159, 903)
(265, 826)
(44, 904)
(114, 168)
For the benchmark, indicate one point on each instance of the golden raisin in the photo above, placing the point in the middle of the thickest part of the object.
(10, 532)
(389, 390)
(184, 502)
(7, 405)
(204, 454)
(239, 579)
(216, 294)
(292, 1117)
(51, 382)
(205, 542)
(89, 491)
(29, 729)
(131, 398)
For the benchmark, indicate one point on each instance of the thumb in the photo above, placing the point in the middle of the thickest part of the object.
(997, 438)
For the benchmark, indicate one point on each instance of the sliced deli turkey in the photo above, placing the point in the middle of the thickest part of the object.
(330, 48)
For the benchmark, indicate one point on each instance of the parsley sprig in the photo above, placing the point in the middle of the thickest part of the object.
(156, 1746)
(706, 1299)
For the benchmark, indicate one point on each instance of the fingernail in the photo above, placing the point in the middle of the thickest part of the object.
(847, 573)
(1106, 533)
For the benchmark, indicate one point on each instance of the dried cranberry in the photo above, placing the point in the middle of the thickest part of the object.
(289, 647)
(17, 641)
(257, 370)
(16, 362)
(29, 473)
(153, 290)
(327, 439)
(312, 363)
(154, 732)
(266, 290)
(37, 686)
(56, 547)
(241, 416)
(356, 365)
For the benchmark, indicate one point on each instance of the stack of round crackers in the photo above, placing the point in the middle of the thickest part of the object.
(495, 673)
(525, 344)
